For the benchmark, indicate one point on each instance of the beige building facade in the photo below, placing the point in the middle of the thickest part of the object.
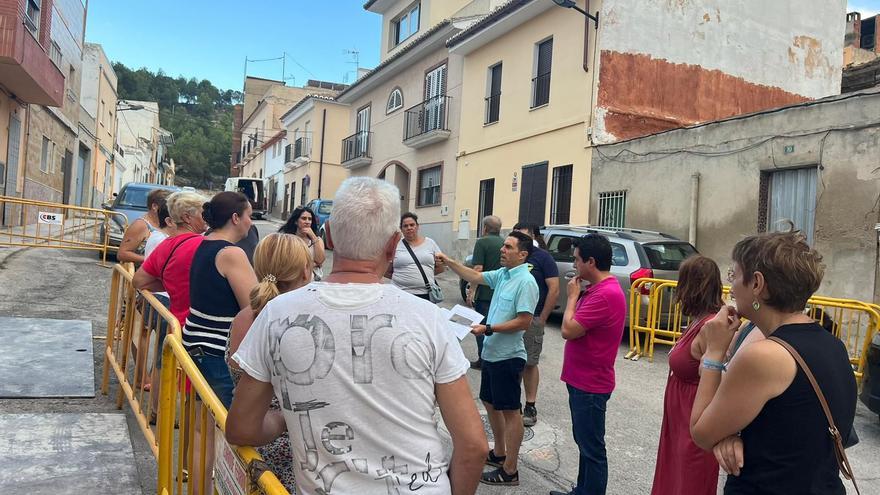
(523, 153)
(404, 114)
(98, 100)
(312, 158)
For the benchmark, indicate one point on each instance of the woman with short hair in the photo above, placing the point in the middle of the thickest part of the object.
(682, 467)
(766, 406)
(414, 260)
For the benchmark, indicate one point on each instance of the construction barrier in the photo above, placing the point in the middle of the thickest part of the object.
(655, 318)
(31, 223)
(187, 399)
(135, 321)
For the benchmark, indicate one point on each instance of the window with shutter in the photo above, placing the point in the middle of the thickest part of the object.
(429, 186)
(560, 202)
(493, 99)
(487, 200)
(533, 194)
(395, 100)
(541, 81)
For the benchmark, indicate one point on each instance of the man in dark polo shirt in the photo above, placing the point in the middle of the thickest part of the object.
(543, 268)
(486, 257)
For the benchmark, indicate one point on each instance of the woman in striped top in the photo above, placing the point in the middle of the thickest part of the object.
(221, 279)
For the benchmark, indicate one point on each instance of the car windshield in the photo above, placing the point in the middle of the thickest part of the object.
(668, 256)
(325, 208)
(134, 197)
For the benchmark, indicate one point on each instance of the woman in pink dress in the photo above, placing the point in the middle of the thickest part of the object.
(682, 467)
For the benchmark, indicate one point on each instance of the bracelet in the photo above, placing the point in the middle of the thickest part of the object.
(711, 364)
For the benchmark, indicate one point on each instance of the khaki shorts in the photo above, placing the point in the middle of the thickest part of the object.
(533, 338)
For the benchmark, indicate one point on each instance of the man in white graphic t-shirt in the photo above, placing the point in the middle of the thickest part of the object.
(357, 366)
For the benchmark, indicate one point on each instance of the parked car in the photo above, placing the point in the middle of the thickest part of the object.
(254, 189)
(635, 254)
(131, 202)
(322, 209)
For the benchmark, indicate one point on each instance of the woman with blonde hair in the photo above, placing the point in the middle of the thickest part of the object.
(282, 263)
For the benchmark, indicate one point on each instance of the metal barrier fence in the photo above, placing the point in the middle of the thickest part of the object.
(200, 416)
(135, 320)
(32, 223)
(658, 319)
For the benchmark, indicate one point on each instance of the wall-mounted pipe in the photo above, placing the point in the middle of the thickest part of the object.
(695, 200)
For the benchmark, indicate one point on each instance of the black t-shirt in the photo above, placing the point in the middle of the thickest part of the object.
(542, 266)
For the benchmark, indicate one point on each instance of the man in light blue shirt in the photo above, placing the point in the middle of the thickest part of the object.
(504, 354)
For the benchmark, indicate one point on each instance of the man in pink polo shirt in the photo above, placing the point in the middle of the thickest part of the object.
(592, 327)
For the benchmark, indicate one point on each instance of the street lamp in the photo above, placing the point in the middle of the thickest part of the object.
(570, 4)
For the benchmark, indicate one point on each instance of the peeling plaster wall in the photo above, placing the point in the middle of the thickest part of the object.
(668, 63)
(730, 157)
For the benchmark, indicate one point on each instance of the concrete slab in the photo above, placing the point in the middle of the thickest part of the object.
(66, 453)
(46, 358)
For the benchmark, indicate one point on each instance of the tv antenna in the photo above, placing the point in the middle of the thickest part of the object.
(355, 55)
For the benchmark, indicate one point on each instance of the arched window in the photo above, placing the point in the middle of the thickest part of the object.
(395, 100)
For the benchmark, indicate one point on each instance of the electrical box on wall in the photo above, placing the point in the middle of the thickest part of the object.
(444, 210)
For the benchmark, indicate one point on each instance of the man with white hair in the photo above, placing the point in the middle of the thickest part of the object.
(357, 366)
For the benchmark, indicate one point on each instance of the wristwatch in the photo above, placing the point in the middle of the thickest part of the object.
(488, 331)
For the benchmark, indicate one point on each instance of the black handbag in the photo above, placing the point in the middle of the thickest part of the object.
(435, 293)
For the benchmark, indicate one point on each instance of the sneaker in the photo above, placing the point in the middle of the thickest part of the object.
(530, 416)
(500, 477)
(476, 365)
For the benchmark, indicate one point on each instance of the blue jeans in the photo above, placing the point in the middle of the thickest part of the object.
(216, 373)
(481, 307)
(588, 426)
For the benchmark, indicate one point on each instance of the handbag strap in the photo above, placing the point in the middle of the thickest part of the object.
(839, 451)
(419, 265)
(162, 272)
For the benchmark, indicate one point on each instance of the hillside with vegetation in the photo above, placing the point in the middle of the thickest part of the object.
(196, 112)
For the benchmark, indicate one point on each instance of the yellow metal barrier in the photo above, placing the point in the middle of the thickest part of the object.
(134, 322)
(656, 318)
(31, 223)
(188, 399)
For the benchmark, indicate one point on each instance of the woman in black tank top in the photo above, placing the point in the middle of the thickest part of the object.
(765, 410)
(221, 278)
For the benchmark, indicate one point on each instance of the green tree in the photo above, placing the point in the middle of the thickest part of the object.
(196, 112)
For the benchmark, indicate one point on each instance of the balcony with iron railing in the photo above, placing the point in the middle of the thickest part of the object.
(356, 150)
(540, 90)
(493, 108)
(302, 149)
(427, 123)
(28, 70)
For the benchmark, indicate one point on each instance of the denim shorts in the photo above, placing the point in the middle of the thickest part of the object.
(216, 373)
(500, 383)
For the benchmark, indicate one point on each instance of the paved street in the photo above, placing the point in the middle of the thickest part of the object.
(67, 285)
(549, 455)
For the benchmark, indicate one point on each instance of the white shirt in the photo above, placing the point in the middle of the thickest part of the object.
(406, 274)
(156, 238)
(354, 368)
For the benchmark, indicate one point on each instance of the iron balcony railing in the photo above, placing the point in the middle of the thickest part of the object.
(541, 90)
(302, 147)
(356, 146)
(493, 108)
(429, 115)
(288, 153)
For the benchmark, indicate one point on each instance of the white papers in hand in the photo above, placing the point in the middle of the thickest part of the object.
(460, 318)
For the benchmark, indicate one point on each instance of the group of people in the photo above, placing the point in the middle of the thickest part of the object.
(336, 376)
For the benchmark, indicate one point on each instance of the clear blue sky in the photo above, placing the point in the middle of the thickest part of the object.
(210, 39)
(866, 7)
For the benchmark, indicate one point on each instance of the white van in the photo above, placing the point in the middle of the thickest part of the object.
(254, 189)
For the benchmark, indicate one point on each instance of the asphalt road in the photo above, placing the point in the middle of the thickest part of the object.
(69, 285)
